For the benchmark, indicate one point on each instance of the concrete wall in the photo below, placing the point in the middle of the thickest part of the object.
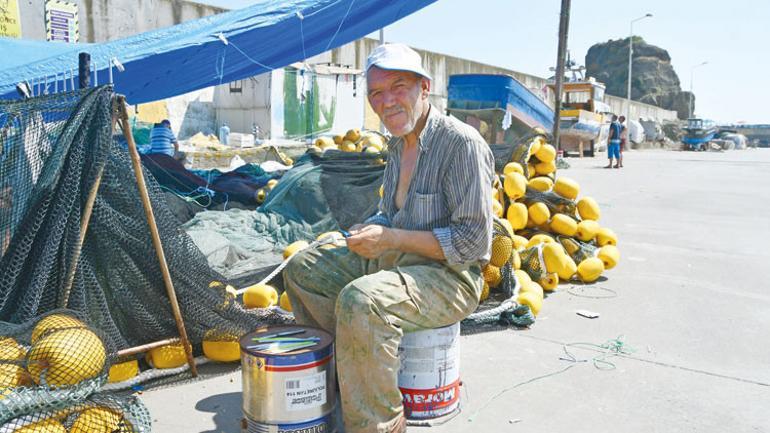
(105, 20)
(620, 105)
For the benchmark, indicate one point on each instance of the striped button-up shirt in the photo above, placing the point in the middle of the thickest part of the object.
(162, 140)
(450, 193)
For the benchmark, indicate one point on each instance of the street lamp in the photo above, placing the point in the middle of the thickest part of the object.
(692, 71)
(630, 58)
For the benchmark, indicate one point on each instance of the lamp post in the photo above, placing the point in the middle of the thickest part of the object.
(692, 73)
(630, 65)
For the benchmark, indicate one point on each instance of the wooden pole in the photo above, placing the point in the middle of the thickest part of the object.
(84, 64)
(70, 278)
(146, 347)
(155, 235)
(560, 60)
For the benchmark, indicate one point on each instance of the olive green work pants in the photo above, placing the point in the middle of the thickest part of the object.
(368, 305)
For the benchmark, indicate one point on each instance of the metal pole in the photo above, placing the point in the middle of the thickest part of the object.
(690, 108)
(84, 70)
(561, 55)
(630, 64)
(630, 67)
(156, 236)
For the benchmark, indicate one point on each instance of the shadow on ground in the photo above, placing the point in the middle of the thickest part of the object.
(226, 409)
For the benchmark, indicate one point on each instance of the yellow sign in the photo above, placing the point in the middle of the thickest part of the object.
(10, 21)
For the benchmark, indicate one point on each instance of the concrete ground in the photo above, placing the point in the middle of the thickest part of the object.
(689, 300)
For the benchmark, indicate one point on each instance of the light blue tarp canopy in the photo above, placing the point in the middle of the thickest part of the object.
(209, 51)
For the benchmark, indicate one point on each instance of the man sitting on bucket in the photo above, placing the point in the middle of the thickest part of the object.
(414, 265)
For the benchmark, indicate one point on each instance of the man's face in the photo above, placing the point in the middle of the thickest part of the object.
(398, 97)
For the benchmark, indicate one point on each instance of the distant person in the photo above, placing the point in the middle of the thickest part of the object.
(613, 143)
(623, 138)
(162, 139)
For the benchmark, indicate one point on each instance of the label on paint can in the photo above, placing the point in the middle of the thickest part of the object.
(306, 392)
(320, 425)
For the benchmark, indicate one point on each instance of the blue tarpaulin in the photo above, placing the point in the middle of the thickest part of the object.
(267, 35)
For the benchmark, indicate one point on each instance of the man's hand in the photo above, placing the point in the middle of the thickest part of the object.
(370, 240)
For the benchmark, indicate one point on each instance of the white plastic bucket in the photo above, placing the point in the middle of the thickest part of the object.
(429, 377)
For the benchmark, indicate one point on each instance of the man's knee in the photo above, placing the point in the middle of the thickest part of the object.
(352, 300)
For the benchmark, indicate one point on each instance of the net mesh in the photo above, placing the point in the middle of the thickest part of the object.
(578, 250)
(100, 413)
(321, 193)
(53, 147)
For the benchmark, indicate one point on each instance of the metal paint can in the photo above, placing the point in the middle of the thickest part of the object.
(291, 392)
(429, 376)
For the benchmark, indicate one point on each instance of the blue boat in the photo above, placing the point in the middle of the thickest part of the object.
(698, 132)
(498, 106)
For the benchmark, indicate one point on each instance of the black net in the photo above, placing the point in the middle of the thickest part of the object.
(321, 193)
(49, 363)
(555, 202)
(99, 413)
(53, 147)
(578, 250)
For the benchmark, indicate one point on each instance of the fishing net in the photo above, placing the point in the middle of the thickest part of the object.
(501, 307)
(521, 151)
(51, 370)
(321, 193)
(100, 413)
(53, 148)
(554, 202)
(532, 262)
(55, 358)
(577, 249)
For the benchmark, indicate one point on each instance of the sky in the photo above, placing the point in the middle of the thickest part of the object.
(732, 36)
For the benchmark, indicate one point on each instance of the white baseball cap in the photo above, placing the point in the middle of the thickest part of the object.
(396, 57)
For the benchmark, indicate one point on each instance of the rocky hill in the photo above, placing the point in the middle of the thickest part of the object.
(654, 80)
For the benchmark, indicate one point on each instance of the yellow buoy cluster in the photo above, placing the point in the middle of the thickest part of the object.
(354, 140)
(92, 419)
(262, 193)
(62, 351)
(555, 234)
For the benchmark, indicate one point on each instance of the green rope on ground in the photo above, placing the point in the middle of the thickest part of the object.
(579, 291)
(610, 348)
(534, 379)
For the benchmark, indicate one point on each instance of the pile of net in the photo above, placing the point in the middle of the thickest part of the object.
(51, 371)
(54, 148)
(546, 234)
(208, 189)
(324, 191)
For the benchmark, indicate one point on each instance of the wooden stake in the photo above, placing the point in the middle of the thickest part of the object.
(559, 77)
(70, 278)
(146, 347)
(155, 235)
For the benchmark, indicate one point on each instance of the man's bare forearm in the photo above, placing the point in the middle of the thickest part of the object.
(423, 243)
